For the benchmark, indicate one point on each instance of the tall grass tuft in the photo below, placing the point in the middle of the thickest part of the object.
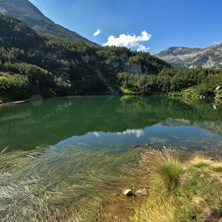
(198, 186)
(164, 165)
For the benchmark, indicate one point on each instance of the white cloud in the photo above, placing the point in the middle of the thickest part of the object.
(142, 48)
(129, 41)
(138, 133)
(97, 32)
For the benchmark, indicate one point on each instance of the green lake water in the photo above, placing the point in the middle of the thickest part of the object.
(111, 122)
(84, 142)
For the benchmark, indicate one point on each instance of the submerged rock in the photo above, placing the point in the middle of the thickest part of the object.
(142, 192)
(128, 192)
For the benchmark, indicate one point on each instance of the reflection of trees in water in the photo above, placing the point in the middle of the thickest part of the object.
(58, 119)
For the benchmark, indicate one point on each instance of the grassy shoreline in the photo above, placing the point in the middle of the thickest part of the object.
(44, 190)
(189, 191)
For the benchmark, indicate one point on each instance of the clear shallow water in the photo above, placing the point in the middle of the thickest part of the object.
(111, 122)
(83, 156)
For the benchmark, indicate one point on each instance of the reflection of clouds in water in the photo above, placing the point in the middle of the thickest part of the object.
(96, 134)
(138, 133)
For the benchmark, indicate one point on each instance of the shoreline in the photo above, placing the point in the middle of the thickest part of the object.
(165, 189)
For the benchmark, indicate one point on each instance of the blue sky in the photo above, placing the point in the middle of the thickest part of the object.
(189, 23)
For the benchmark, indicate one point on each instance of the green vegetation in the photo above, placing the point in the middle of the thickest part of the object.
(68, 184)
(68, 68)
(180, 82)
(32, 63)
(35, 187)
(31, 15)
(181, 192)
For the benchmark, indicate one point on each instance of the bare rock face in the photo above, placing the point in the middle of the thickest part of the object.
(210, 57)
(85, 58)
(142, 192)
(134, 68)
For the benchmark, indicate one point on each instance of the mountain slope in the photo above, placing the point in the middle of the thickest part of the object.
(36, 64)
(210, 57)
(28, 13)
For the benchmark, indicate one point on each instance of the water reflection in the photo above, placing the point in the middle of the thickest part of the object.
(137, 132)
(108, 121)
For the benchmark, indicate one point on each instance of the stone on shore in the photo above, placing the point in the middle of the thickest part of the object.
(142, 192)
(128, 192)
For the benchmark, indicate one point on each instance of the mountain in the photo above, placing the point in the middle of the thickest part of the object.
(36, 64)
(210, 57)
(32, 16)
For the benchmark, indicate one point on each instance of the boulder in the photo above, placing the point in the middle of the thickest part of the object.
(218, 88)
(142, 192)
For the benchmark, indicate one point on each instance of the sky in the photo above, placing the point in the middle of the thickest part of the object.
(142, 25)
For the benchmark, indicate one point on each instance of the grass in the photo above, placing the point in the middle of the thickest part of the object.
(77, 184)
(181, 192)
(127, 91)
(190, 92)
(69, 184)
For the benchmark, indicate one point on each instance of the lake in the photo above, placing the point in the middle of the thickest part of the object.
(111, 122)
(77, 147)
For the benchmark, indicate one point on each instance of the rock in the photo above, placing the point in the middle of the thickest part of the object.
(218, 88)
(134, 68)
(142, 192)
(128, 192)
(214, 106)
(85, 58)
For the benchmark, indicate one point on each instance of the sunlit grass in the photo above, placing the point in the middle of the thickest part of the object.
(181, 192)
(68, 184)
(127, 91)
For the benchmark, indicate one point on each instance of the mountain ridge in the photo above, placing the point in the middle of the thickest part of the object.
(32, 16)
(209, 57)
(33, 63)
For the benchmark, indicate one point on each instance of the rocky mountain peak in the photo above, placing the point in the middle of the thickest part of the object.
(23, 4)
(210, 57)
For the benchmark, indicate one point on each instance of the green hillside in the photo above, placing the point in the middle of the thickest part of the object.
(37, 64)
(28, 13)
(33, 63)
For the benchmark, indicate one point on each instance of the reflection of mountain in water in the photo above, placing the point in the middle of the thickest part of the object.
(58, 119)
(175, 122)
(213, 127)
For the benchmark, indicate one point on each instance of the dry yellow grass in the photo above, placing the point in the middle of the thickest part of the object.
(199, 188)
